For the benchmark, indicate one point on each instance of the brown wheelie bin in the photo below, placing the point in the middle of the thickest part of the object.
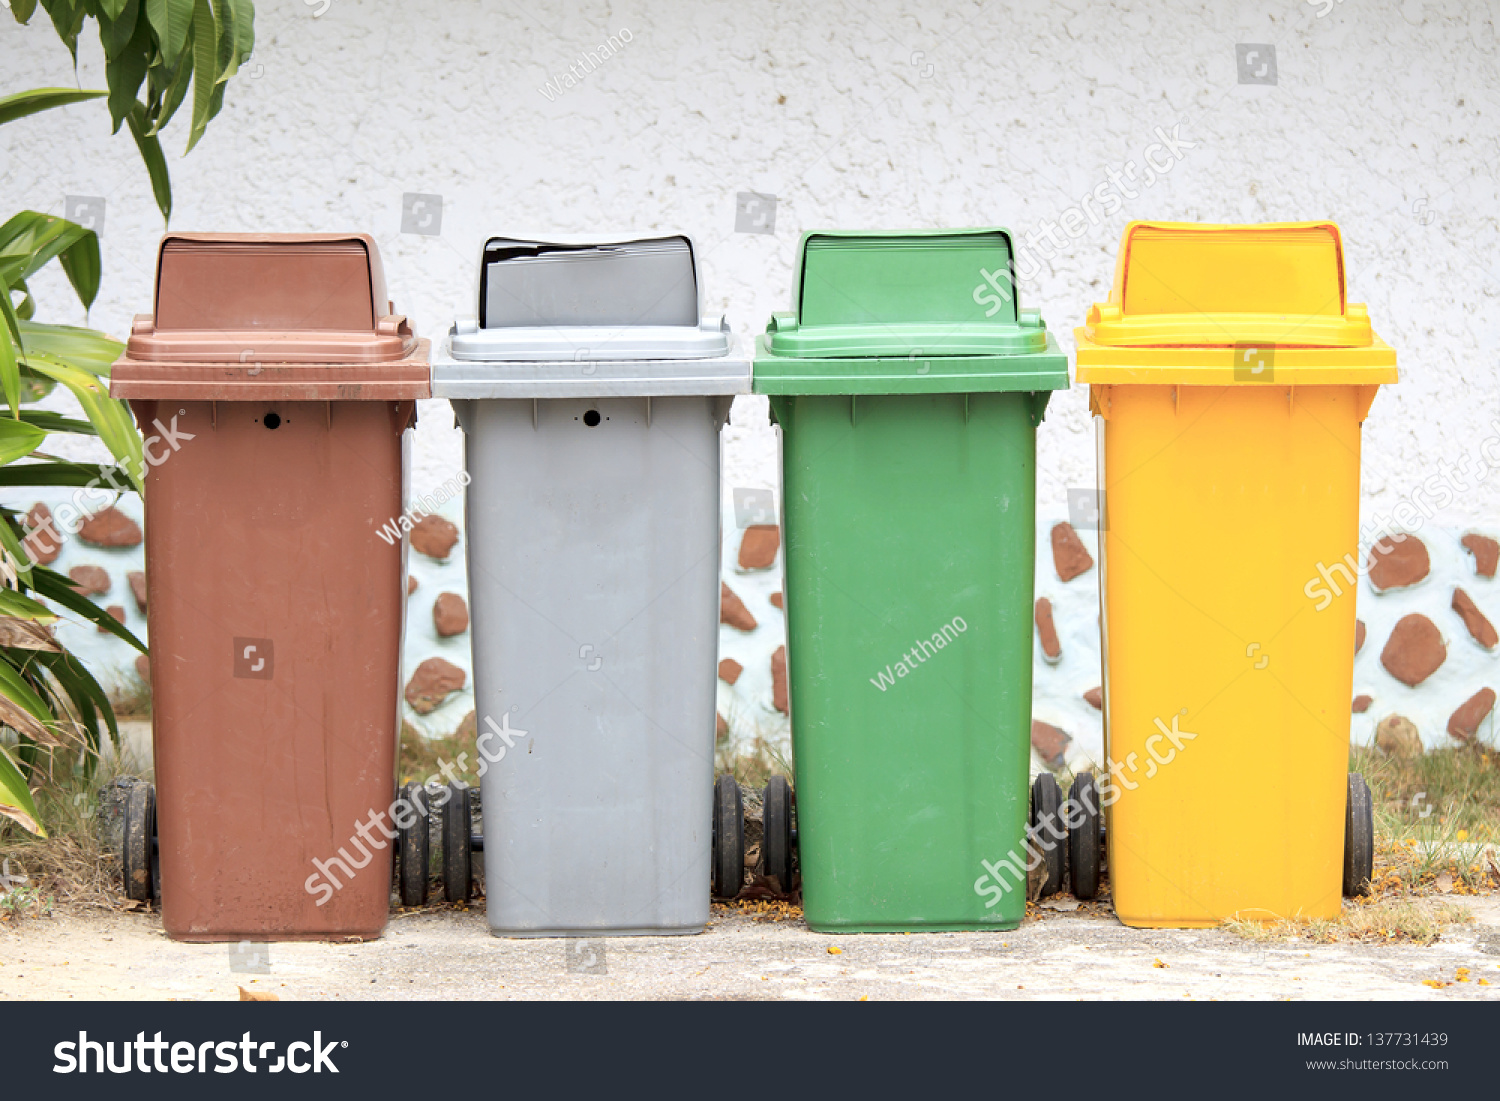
(275, 386)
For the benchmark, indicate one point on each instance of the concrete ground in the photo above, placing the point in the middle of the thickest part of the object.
(450, 955)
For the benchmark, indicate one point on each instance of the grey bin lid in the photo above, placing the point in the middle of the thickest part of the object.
(588, 320)
(531, 283)
(583, 343)
(589, 365)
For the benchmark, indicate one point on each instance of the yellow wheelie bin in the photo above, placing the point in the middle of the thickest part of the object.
(1229, 377)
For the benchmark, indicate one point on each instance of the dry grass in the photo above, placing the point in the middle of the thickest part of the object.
(1436, 796)
(1378, 921)
(1437, 819)
(1408, 866)
(69, 866)
(752, 770)
(422, 758)
(130, 697)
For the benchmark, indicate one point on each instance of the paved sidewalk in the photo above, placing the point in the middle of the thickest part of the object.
(450, 955)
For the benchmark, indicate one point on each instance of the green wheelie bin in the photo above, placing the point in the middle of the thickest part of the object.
(908, 385)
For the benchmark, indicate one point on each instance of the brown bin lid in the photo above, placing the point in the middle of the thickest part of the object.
(288, 316)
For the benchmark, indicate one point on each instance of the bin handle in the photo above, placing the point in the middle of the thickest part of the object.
(395, 324)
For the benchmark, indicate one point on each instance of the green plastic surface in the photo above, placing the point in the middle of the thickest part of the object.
(909, 509)
(907, 313)
(908, 517)
(851, 278)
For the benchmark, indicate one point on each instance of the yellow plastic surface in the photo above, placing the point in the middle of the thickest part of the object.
(1224, 493)
(1187, 298)
(1220, 503)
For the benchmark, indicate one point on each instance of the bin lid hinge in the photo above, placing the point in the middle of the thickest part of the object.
(1038, 400)
(1099, 399)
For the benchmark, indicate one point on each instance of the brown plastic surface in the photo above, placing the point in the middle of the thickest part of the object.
(260, 535)
(290, 317)
(213, 282)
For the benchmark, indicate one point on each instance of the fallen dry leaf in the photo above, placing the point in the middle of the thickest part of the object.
(1063, 905)
(1158, 963)
(767, 888)
(835, 950)
(1444, 883)
(257, 995)
(1436, 984)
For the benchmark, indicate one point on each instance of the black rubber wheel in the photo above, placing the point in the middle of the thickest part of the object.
(458, 858)
(1083, 839)
(1359, 838)
(776, 835)
(1047, 830)
(728, 838)
(413, 852)
(139, 834)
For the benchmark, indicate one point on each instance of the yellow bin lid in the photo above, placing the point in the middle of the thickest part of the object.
(1222, 305)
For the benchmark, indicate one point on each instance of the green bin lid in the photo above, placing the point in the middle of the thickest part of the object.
(922, 311)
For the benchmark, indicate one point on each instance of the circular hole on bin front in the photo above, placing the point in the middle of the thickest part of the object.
(272, 420)
(591, 418)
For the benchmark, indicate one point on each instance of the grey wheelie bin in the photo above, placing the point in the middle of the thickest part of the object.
(591, 396)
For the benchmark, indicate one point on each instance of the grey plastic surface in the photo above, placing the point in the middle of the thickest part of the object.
(594, 590)
(645, 282)
(468, 342)
(650, 376)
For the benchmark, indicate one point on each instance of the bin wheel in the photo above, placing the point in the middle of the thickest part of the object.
(458, 857)
(1359, 838)
(1047, 830)
(1083, 839)
(414, 848)
(776, 843)
(728, 838)
(138, 859)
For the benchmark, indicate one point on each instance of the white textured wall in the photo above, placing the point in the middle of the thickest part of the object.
(893, 114)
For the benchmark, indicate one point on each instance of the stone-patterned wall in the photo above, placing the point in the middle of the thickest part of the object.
(1427, 660)
(1424, 667)
(752, 643)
